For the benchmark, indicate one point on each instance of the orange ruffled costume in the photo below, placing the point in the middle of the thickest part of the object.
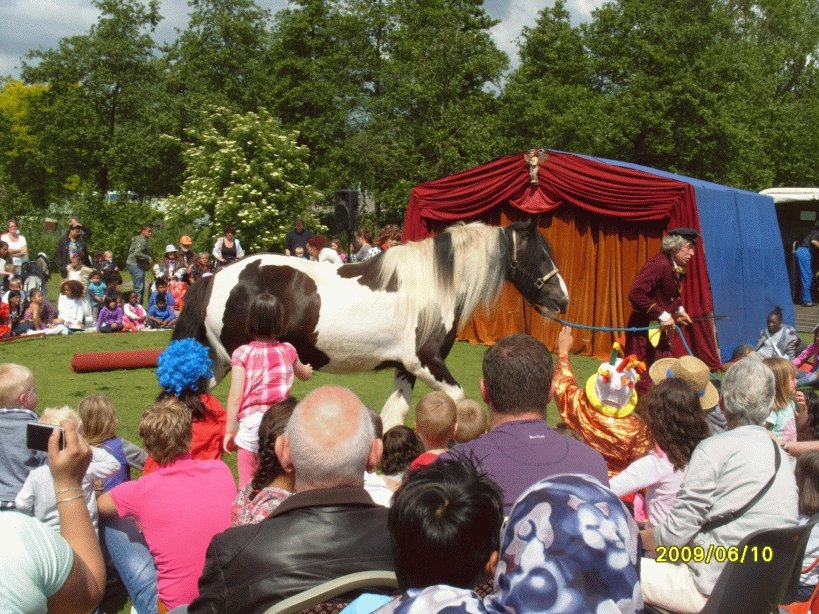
(620, 440)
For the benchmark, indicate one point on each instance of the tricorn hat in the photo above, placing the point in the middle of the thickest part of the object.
(686, 233)
(691, 370)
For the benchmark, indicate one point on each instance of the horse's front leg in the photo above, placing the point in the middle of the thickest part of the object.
(397, 406)
(433, 373)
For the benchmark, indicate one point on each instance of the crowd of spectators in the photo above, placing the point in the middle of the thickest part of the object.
(314, 508)
(481, 506)
(97, 302)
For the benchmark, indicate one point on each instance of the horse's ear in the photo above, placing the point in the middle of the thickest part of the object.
(534, 223)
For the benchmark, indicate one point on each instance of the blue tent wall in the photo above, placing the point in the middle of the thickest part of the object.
(743, 252)
(746, 263)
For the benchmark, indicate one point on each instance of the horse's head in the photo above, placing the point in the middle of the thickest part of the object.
(532, 269)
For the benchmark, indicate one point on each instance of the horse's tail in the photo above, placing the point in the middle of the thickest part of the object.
(191, 321)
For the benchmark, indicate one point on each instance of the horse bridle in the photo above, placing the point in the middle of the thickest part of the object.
(539, 281)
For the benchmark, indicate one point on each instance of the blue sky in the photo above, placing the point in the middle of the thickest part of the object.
(33, 24)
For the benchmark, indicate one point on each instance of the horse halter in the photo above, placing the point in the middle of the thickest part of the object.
(539, 282)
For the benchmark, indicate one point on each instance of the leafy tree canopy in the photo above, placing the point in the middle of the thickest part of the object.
(244, 170)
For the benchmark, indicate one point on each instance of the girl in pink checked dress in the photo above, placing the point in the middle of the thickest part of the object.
(262, 373)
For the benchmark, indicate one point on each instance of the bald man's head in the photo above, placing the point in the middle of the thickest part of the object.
(329, 440)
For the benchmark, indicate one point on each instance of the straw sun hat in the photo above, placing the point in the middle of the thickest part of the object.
(691, 370)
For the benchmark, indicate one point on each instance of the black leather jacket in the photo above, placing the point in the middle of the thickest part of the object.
(310, 538)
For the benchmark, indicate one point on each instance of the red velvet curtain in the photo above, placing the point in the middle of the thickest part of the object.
(605, 221)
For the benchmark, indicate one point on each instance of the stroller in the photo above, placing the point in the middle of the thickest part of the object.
(35, 274)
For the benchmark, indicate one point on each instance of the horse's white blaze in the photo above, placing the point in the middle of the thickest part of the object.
(563, 287)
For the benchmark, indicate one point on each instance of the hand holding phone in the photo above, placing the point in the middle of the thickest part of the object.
(69, 457)
(37, 435)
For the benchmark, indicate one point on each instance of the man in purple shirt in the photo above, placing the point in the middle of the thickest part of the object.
(521, 449)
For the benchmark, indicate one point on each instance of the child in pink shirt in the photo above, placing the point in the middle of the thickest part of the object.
(133, 314)
(179, 507)
(262, 373)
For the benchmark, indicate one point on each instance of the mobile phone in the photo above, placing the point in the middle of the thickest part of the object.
(37, 435)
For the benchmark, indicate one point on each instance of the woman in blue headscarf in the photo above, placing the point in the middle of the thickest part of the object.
(569, 547)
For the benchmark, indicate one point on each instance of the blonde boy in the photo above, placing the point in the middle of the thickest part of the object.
(473, 420)
(436, 422)
(37, 498)
(18, 398)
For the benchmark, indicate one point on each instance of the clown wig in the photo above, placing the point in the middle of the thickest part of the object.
(183, 371)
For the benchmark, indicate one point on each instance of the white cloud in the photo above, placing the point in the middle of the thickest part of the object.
(515, 14)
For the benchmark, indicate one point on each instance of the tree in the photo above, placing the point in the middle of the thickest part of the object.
(323, 66)
(220, 59)
(696, 86)
(244, 170)
(21, 160)
(100, 116)
(432, 112)
(550, 99)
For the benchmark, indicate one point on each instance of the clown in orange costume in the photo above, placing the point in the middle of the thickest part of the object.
(602, 413)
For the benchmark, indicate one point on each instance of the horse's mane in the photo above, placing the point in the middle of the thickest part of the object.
(451, 273)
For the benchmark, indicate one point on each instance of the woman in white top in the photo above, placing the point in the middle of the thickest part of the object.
(227, 248)
(676, 423)
(18, 248)
(318, 250)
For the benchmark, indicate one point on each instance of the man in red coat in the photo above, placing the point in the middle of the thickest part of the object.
(655, 297)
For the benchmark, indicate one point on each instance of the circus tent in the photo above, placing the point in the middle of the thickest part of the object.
(604, 219)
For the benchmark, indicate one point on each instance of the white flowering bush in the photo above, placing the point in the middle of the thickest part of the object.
(244, 170)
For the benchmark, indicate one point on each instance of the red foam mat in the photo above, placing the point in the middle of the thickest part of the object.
(110, 361)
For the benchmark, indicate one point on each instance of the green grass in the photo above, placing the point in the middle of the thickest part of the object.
(134, 390)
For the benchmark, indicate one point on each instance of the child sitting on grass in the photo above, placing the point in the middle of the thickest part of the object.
(18, 399)
(110, 317)
(37, 496)
(782, 420)
(71, 304)
(161, 291)
(436, 422)
(112, 285)
(96, 293)
(160, 315)
(133, 313)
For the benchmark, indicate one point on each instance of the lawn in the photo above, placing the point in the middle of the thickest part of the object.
(134, 390)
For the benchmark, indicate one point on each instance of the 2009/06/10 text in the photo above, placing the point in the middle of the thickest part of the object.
(713, 553)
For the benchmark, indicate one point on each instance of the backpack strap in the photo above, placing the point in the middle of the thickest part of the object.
(731, 516)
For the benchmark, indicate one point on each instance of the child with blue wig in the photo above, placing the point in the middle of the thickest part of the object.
(184, 371)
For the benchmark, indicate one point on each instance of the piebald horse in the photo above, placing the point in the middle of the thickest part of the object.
(400, 309)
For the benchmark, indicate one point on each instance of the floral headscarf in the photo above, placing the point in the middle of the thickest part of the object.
(438, 599)
(569, 547)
